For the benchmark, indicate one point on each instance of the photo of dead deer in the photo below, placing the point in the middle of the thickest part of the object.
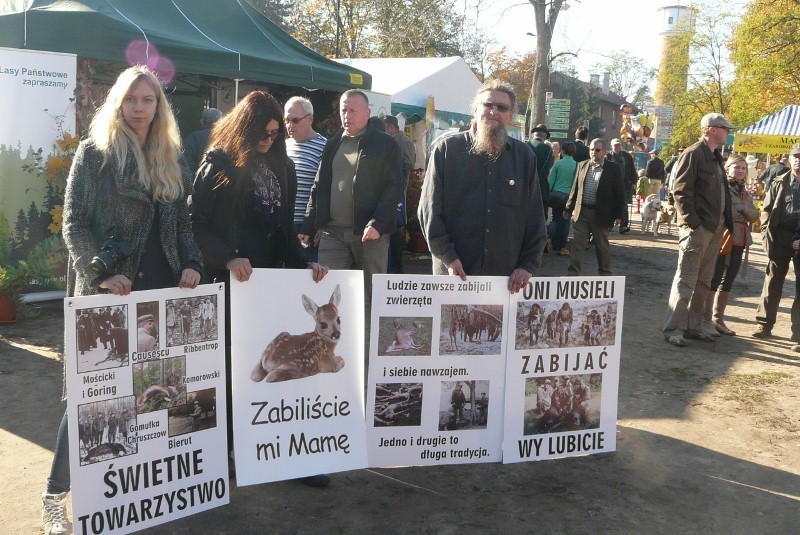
(158, 384)
(463, 405)
(405, 336)
(101, 335)
(550, 324)
(104, 430)
(471, 329)
(295, 356)
(199, 412)
(191, 320)
(397, 404)
(558, 403)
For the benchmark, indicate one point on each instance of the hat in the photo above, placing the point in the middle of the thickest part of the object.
(715, 119)
(392, 120)
(616, 141)
(541, 128)
(145, 318)
(795, 149)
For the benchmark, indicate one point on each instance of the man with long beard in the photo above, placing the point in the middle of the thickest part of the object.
(481, 207)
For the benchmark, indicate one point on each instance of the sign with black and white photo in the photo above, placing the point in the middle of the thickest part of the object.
(297, 371)
(562, 373)
(436, 360)
(146, 406)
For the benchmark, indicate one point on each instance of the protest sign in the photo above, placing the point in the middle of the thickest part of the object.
(146, 407)
(436, 360)
(297, 370)
(562, 373)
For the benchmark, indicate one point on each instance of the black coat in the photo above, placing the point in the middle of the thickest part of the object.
(217, 228)
(581, 151)
(376, 187)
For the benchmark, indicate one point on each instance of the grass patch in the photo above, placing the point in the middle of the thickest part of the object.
(749, 388)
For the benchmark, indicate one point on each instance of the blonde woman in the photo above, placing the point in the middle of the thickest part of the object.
(727, 267)
(126, 221)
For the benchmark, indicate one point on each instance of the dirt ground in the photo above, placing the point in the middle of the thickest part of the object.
(708, 438)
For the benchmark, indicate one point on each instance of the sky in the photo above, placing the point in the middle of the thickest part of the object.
(590, 28)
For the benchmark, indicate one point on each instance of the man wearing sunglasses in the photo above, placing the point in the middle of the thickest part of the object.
(703, 203)
(304, 148)
(481, 207)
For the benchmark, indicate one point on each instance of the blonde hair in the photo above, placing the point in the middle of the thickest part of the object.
(157, 160)
(733, 159)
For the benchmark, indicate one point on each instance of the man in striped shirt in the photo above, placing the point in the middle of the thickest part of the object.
(304, 147)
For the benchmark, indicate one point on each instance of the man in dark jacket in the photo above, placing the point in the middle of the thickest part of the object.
(774, 170)
(544, 160)
(780, 218)
(596, 203)
(354, 196)
(480, 206)
(655, 172)
(194, 146)
(625, 162)
(703, 203)
(581, 149)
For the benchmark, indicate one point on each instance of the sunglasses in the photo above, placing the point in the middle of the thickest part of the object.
(272, 137)
(295, 120)
(500, 107)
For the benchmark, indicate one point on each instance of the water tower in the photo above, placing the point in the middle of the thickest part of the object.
(677, 29)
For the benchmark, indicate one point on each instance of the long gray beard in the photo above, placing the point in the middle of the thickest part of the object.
(488, 142)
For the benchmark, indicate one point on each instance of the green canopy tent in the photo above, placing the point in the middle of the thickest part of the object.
(225, 38)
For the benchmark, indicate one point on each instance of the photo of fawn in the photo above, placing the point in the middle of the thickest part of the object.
(294, 356)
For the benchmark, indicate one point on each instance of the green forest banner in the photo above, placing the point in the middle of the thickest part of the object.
(37, 142)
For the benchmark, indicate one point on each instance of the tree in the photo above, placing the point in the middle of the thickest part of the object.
(630, 77)
(545, 15)
(709, 74)
(764, 41)
(315, 22)
(277, 11)
(516, 70)
(407, 34)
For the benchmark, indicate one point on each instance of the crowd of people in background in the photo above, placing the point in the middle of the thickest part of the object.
(259, 187)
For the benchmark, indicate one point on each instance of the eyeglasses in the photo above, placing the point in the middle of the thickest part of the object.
(273, 136)
(295, 120)
(728, 130)
(500, 107)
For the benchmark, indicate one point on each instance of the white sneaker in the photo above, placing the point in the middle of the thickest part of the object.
(54, 514)
(708, 328)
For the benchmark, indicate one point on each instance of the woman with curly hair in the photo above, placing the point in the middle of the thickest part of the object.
(126, 222)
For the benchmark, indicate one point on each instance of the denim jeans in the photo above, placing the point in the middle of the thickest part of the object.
(59, 480)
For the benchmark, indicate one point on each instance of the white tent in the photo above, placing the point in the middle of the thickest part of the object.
(410, 81)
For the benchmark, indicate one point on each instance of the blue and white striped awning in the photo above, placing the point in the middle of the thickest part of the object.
(784, 123)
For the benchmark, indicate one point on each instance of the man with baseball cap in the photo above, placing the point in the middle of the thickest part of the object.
(780, 221)
(703, 204)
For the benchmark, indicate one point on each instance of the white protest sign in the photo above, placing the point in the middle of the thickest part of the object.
(562, 373)
(436, 370)
(146, 407)
(297, 374)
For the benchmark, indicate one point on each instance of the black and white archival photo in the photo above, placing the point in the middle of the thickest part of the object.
(191, 320)
(104, 430)
(199, 412)
(398, 404)
(463, 405)
(102, 337)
